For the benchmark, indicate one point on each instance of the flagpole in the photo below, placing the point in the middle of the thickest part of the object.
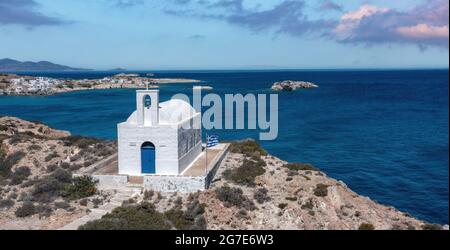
(206, 156)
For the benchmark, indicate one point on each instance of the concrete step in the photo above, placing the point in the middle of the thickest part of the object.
(123, 194)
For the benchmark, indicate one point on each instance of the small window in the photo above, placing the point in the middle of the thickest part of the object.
(147, 101)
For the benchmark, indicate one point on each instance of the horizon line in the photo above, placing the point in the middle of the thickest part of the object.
(233, 69)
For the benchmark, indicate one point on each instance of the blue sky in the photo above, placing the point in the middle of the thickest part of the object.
(227, 34)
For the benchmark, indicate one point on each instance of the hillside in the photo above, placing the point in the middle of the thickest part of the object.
(283, 195)
(10, 65)
(37, 189)
(256, 191)
(251, 190)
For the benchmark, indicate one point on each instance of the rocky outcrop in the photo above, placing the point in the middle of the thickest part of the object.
(251, 190)
(297, 196)
(36, 164)
(256, 191)
(292, 85)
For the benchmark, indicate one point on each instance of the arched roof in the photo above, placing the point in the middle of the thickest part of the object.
(170, 112)
(175, 111)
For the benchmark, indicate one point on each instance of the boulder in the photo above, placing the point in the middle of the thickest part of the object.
(292, 85)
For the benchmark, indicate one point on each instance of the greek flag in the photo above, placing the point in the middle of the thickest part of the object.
(212, 141)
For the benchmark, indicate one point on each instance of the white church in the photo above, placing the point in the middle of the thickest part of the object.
(155, 139)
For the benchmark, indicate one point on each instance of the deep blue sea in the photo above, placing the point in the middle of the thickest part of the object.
(384, 133)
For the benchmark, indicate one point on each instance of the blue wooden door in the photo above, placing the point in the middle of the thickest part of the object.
(148, 158)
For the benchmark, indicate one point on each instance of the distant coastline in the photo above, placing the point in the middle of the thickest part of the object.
(10, 65)
(20, 85)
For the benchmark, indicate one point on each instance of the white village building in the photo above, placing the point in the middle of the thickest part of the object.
(159, 138)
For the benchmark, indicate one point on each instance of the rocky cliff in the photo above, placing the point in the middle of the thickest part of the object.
(37, 189)
(254, 190)
(251, 190)
(283, 195)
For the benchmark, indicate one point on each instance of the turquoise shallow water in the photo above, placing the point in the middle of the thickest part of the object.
(384, 133)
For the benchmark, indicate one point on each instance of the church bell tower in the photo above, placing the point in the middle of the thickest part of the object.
(147, 106)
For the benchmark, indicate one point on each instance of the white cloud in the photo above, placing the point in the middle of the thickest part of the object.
(424, 31)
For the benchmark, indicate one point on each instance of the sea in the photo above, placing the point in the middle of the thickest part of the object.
(385, 133)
